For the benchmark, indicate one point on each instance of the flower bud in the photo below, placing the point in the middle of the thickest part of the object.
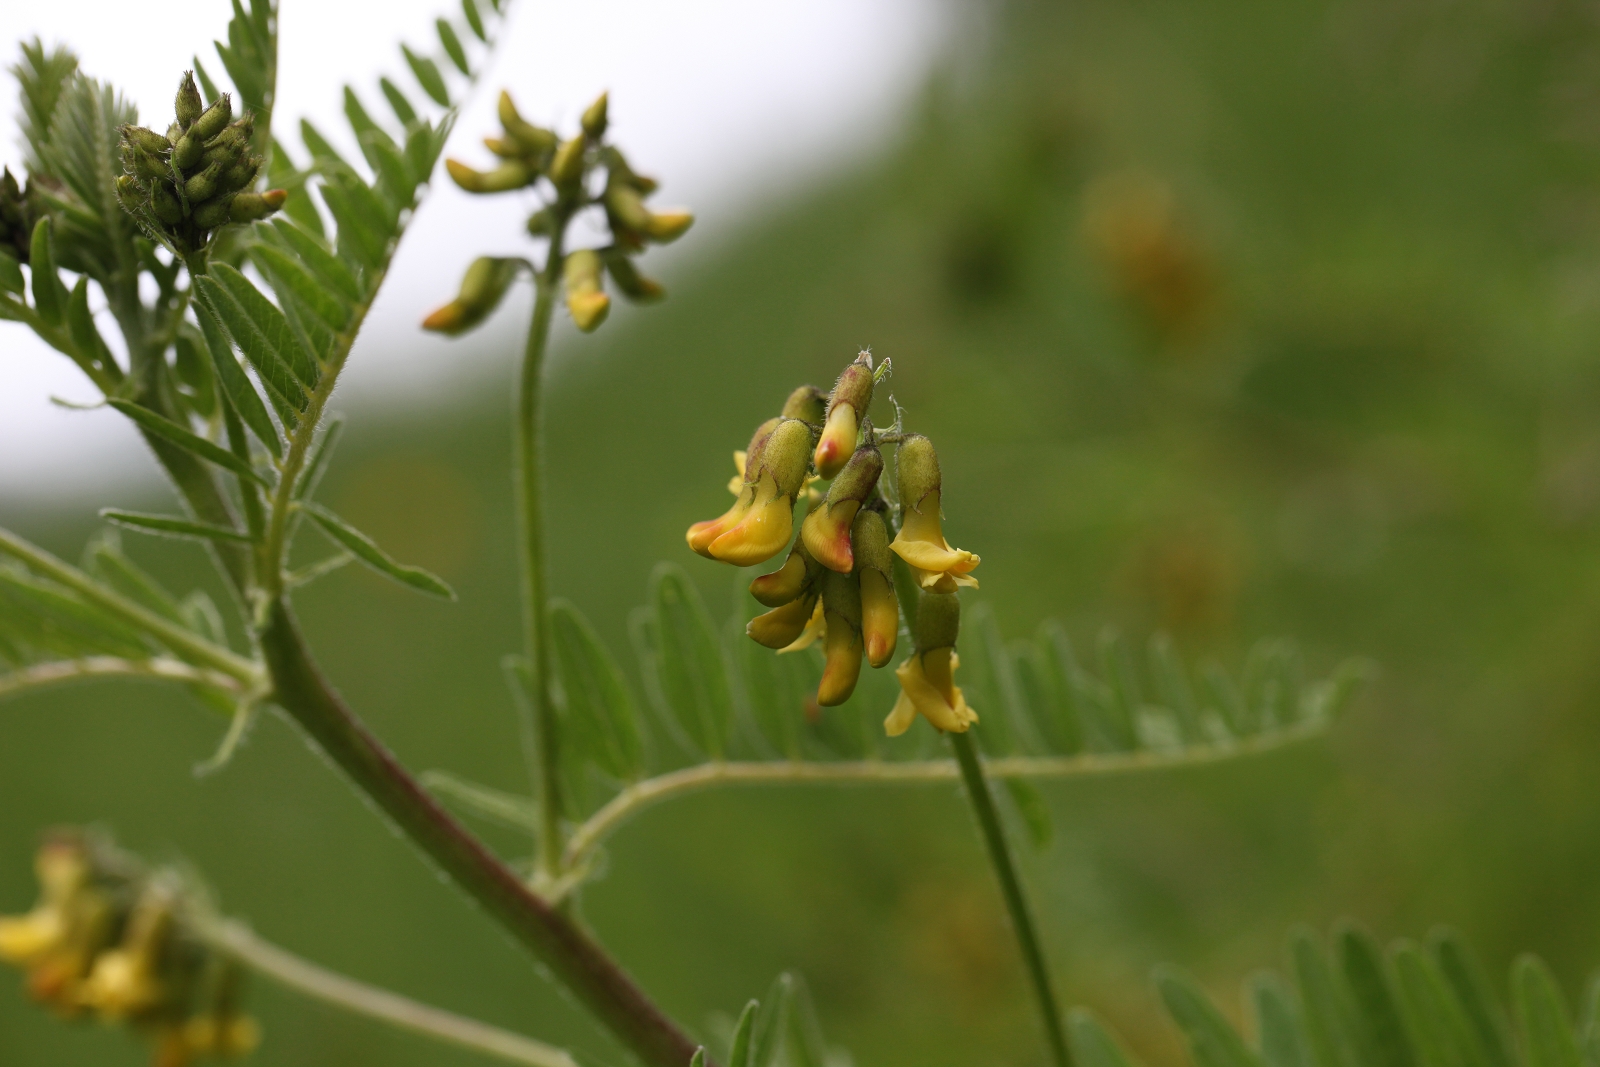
(145, 140)
(248, 207)
(17, 217)
(212, 213)
(504, 147)
(921, 542)
(188, 104)
(798, 573)
(566, 168)
(533, 140)
(541, 223)
(634, 285)
(213, 119)
(129, 195)
(763, 518)
(783, 625)
(187, 152)
(142, 163)
(239, 176)
(594, 120)
(586, 301)
(808, 404)
(512, 174)
(741, 458)
(627, 212)
(124, 981)
(826, 531)
(841, 607)
(848, 404)
(664, 227)
(482, 288)
(202, 185)
(880, 610)
(164, 202)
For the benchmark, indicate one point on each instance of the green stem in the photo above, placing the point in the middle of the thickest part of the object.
(535, 591)
(570, 953)
(994, 837)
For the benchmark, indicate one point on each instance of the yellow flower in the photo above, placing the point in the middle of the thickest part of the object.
(816, 629)
(920, 542)
(760, 530)
(927, 688)
(25, 939)
(838, 440)
(781, 627)
(880, 616)
(122, 984)
(841, 640)
(826, 530)
(759, 524)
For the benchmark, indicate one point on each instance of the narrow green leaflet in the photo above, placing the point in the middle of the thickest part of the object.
(508, 809)
(1212, 1042)
(306, 487)
(1589, 1027)
(327, 269)
(772, 1023)
(236, 388)
(1116, 665)
(184, 439)
(692, 674)
(1278, 1031)
(739, 1054)
(64, 623)
(291, 279)
(601, 717)
(172, 526)
(11, 279)
(363, 229)
(49, 295)
(805, 1046)
(1055, 723)
(1466, 980)
(1542, 1015)
(288, 396)
(1379, 1030)
(80, 325)
(265, 322)
(474, 20)
(1324, 1016)
(452, 46)
(1172, 683)
(426, 71)
(363, 548)
(1436, 1021)
(105, 560)
(397, 102)
(1092, 1044)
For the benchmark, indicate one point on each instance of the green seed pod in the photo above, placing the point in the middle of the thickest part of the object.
(512, 174)
(808, 404)
(248, 207)
(203, 185)
(594, 120)
(938, 621)
(624, 205)
(213, 119)
(213, 213)
(187, 152)
(917, 469)
(147, 140)
(541, 223)
(188, 105)
(164, 202)
(854, 387)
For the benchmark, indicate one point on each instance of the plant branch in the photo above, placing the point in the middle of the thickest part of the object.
(185, 642)
(651, 791)
(570, 953)
(994, 837)
(535, 592)
(308, 978)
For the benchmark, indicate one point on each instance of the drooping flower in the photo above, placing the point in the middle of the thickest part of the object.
(826, 530)
(762, 519)
(841, 640)
(921, 543)
(880, 611)
(927, 679)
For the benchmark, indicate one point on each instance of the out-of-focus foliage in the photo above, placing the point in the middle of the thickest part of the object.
(1231, 320)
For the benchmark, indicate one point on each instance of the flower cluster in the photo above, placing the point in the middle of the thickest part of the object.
(110, 939)
(196, 178)
(530, 155)
(838, 582)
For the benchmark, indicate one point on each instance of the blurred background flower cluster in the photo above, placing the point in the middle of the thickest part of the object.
(1231, 320)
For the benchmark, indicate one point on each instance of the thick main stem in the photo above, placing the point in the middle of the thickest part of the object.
(535, 592)
(994, 838)
(574, 958)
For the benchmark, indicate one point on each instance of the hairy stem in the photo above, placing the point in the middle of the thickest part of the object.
(994, 838)
(570, 953)
(308, 978)
(535, 591)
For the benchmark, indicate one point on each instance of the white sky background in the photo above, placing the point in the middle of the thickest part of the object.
(732, 103)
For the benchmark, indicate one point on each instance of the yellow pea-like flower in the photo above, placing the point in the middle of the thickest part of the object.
(927, 688)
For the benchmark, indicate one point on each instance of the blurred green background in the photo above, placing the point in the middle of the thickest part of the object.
(1235, 320)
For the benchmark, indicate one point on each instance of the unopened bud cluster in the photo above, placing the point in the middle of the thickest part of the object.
(837, 584)
(531, 156)
(197, 177)
(111, 939)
